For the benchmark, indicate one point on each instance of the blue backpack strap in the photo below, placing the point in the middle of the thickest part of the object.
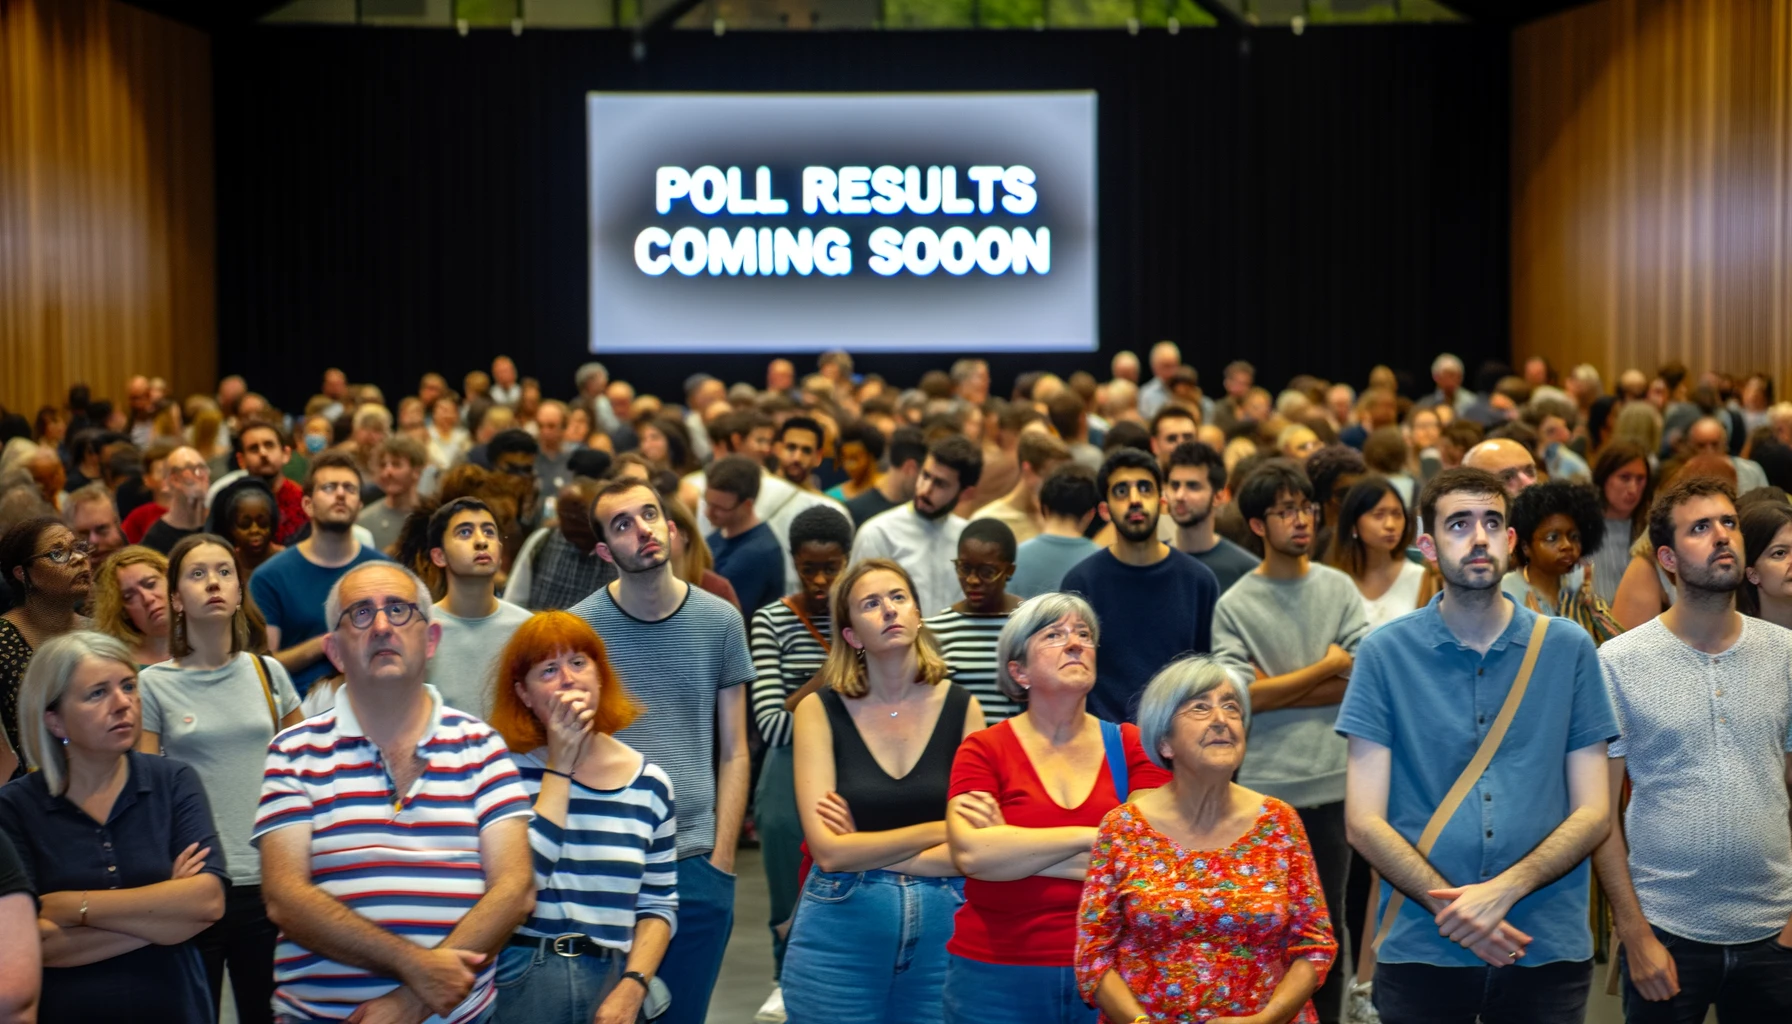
(1115, 744)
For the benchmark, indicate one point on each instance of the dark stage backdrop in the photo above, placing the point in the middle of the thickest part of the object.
(397, 201)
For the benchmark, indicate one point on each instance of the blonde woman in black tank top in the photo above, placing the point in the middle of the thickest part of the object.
(874, 749)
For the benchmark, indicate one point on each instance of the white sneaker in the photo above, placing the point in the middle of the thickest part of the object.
(773, 1010)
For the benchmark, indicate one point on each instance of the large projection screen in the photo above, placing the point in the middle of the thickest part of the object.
(870, 222)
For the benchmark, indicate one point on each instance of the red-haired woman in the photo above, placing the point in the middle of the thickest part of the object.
(606, 868)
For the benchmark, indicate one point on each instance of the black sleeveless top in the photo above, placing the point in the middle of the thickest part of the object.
(880, 803)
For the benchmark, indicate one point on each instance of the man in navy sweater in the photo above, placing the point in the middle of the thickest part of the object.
(1155, 603)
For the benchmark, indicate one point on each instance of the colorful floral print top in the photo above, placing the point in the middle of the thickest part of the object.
(1204, 933)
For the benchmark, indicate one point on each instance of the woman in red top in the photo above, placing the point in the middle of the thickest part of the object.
(1026, 798)
(1202, 903)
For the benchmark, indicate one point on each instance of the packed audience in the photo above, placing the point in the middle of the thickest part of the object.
(1102, 701)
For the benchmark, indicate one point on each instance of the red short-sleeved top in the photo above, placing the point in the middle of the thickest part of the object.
(1030, 922)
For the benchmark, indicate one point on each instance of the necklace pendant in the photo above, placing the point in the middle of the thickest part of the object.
(893, 714)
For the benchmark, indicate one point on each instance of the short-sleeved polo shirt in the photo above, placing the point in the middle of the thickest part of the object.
(160, 811)
(409, 863)
(1431, 699)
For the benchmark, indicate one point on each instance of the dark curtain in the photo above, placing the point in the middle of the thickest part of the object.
(395, 201)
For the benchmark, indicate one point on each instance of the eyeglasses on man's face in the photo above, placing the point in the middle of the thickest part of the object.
(361, 615)
(1288, 514)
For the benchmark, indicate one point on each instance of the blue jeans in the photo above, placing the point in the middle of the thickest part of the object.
(869, 948)
(539, 986)
(1553, 993)
(780, 841)
(980, 993)
(1750, 981)
(705, 918)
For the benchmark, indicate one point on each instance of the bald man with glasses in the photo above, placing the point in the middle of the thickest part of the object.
(393, 889)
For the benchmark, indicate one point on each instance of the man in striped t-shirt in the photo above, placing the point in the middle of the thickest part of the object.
(393, 830)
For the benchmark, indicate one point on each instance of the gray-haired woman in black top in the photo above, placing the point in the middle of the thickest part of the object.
(874, 754)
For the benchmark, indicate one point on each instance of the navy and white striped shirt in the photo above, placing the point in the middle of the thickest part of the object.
(613, 863)
(785, 656)
(968, 643)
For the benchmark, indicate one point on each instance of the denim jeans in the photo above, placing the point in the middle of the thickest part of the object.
(980, 993)
(705, 917)
(243, 942)
(1331, 859)
(870, 948)
(1750, 981)
(538, 986)
(1554, 993)
(780, 841)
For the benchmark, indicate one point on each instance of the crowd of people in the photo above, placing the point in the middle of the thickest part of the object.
(1105, 701)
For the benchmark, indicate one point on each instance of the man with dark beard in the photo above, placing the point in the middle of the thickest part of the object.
(1194, 491)
(682, 653)
(922, 535)
(1492, 919)
(798, 451)
(1287, 632)
(290, 587)
(1704, 695)
(1155, 603)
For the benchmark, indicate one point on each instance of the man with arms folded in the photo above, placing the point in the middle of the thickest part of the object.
(394, 831)
(1700, 877)
(1493, 924)
(1286, 632)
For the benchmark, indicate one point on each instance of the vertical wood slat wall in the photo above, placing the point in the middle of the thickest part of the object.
(106, 222)
(1652, 186)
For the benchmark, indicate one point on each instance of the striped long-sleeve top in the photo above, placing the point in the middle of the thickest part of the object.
(968, 643)
(613, 863)
(785, 656)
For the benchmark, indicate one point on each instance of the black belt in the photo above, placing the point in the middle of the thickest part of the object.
(569, 945)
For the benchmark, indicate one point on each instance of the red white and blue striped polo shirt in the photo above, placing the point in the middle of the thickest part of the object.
(411, 866)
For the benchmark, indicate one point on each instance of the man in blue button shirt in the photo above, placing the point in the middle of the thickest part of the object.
(1494, 926)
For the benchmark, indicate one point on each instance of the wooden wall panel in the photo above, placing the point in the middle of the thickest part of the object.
(1652, 186)
(106, 224)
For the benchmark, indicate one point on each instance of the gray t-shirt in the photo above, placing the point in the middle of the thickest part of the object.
(1705, 738)
(675, 668)
(384, 522)
(467, 654)
(1228, 561)
(218, 722)
(1293, 754)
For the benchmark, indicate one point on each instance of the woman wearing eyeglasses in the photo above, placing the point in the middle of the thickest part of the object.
(47, 569)
(1202, 903)
(1026, 798)
(216, 706)
(967, 631)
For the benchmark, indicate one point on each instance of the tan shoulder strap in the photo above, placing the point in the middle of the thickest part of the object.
(796, 609)
(267, 690)
(1477, 766)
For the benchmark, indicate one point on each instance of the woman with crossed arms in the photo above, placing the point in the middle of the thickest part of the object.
(873, 754)
(1027, 797)
(119, 845)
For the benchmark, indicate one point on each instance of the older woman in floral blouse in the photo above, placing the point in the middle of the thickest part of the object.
(1202, 903)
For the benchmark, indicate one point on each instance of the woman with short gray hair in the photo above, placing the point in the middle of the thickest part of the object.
(1026, 798)
(1202, 899)
(119, 845)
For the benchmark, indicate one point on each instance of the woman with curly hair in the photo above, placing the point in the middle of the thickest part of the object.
(130, 602)
(1556, 522)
